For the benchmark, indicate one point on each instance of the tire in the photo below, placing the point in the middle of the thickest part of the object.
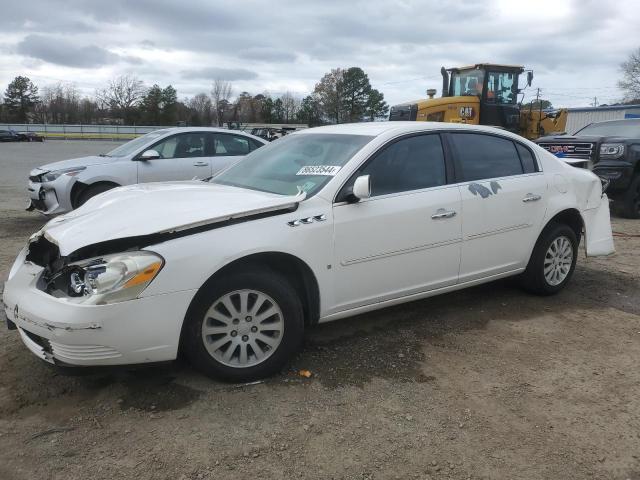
(543, 259)
(631, 199)
(92, 191)
(210, 343)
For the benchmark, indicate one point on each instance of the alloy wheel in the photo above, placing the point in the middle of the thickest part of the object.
(558, 261)
(242, 328)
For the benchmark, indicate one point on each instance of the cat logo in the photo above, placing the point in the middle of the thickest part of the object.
(466, 112)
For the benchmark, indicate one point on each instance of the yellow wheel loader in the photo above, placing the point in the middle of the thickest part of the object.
(484, 94)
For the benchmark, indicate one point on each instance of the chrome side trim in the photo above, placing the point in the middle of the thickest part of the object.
(499, 231)
(393, 253)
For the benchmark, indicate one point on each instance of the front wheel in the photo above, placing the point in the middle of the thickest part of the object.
(92, 191)
(553, 260)
(244, 326)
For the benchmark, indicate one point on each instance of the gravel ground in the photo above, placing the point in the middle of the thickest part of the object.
(488, 383)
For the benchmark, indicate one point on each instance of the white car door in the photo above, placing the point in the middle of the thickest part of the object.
(229, 148)
(406, 238)
(182, 157)
(503, 196)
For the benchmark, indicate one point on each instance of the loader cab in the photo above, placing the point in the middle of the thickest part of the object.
(496, 86)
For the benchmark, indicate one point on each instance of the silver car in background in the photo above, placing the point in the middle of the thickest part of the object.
(168, 154)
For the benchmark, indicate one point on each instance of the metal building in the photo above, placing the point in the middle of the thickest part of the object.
(581, 117)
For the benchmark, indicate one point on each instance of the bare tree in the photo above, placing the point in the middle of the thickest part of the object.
(290, 107)
(630, 82)
(122, 95)
(202, 106)
(60, 103)
(220, 95)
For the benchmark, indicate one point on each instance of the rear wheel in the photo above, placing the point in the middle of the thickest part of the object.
(245, 327)
(553, 260)
(631, 199)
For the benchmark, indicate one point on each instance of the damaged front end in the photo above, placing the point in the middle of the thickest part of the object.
(117, 269)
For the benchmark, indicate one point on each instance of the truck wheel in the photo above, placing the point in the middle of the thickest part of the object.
(244, 327)
(631, 199)
(552, 262)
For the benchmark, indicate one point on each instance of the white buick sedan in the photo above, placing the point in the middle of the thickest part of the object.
(323, 224)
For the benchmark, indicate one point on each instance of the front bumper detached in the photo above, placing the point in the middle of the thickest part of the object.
(43, 199)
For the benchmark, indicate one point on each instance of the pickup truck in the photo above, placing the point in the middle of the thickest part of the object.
(611, 150)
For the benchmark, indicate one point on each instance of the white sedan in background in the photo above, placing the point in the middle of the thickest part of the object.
(167, 154)
(323, 224)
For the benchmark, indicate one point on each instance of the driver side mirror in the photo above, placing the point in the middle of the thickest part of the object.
(362, 187)
(149, 155)
(529, 78)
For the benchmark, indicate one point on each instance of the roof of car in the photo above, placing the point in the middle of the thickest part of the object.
(378, 128)
(166, 131)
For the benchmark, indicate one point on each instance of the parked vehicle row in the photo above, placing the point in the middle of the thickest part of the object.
(320, 225)
(13, 136)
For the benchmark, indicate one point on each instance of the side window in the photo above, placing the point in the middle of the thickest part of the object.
(485, 156)
(185, 145)
(409, 164)
(526, 157)
(501, 88)
(229, 145)
(254, 144)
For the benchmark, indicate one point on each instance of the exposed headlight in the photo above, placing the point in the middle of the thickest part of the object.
(113, 278)
(611, 150)
(52, 175)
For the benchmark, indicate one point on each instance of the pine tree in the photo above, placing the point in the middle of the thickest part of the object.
(20, 98)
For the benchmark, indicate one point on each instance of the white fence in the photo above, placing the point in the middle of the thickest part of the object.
(118, 132)
(89, 132)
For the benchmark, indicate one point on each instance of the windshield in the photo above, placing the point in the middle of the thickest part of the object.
(467, 82)
(622, 128)
(130, 147)
(306, 161)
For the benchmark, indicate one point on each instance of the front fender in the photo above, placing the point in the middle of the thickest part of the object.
(191, 260)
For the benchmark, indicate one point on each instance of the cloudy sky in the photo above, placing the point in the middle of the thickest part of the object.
(574, 47)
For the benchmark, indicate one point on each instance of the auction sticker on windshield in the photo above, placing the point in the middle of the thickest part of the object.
(328, 170)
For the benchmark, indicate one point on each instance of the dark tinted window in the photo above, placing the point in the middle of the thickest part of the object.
(254, 144)
(485, 156)
(185, 145)
(229, 145)
(409, 164)
(526, 157)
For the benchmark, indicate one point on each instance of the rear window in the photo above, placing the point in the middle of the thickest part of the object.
(526, 157)
(482, 156)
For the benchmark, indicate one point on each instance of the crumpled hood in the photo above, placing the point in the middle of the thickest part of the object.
(73, 162)
(150, 208)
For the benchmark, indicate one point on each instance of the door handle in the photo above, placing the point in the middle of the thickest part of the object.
(530, 197)
(201, 164)
(442, 213)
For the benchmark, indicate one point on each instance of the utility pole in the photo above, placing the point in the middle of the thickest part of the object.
(595, 102)
(539, 110)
